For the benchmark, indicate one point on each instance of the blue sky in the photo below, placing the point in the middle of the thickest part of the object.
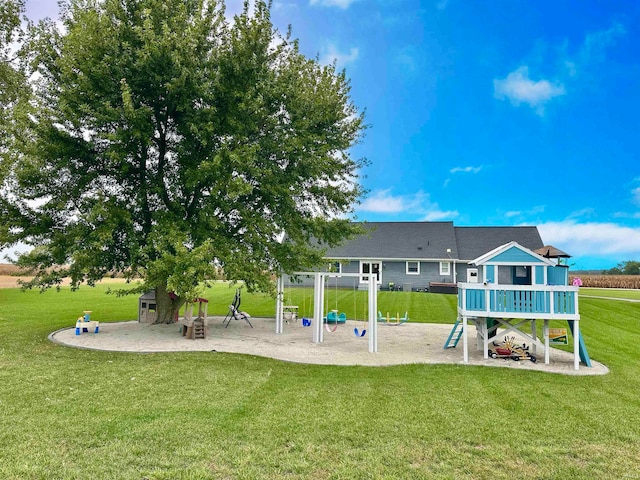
(490, 112)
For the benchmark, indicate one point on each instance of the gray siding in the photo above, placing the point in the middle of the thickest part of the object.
(394, 271)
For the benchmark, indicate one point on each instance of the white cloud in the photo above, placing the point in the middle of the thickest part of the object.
(442, 4)
(592, 239)
(465, 170)
(383, 201)
(330, 54)
(595, 44)
(436, 215)
(519, 88)
(636, 195)
(344, 4)
(586, 60)
(526, 213)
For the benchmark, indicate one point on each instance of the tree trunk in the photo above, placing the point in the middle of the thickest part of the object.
(168, 305)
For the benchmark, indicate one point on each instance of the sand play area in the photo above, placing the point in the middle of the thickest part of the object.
(397, 344)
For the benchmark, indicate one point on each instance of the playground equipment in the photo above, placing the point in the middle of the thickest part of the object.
(84, 323)
(195, 327)
(234, 312)
(319, 300)
(509, 349)
(363, 331)
(397, 320)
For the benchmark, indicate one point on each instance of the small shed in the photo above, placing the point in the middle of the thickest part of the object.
(147, 307)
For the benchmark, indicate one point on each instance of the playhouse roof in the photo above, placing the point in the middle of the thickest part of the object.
(476, 241)
(549, 251)
(511, 253)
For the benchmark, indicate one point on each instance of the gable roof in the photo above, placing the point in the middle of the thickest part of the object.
(511, 253)
(476, 241)
(430, 240)
(400, 240)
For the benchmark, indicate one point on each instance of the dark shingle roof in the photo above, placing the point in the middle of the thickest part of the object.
(476, 241)
(401, 240)
(430, 240)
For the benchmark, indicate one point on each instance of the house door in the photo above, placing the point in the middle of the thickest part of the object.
(521, 275)
(369, 267)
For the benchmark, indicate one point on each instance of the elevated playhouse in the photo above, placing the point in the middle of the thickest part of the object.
(514, 288)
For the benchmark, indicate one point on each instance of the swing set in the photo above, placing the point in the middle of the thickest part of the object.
(335, 317)
(331, 319)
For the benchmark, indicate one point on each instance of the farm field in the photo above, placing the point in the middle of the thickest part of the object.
(71, 413)
(608, 281)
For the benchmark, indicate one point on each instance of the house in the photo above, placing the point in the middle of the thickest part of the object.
(419, 256)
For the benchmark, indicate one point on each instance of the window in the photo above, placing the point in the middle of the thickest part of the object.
(445, 268)
(369, 267)
(413, 268)
(472, 275)
(335, 267)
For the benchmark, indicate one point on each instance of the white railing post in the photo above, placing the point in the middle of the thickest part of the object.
(465, 341)
(318, 304)
(487, 303)
(279, 303)
(576, 344)
(373, 311)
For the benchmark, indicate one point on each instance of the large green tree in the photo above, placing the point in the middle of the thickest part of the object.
(14, 95)
(170, 144)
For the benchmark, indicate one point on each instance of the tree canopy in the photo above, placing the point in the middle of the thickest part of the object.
(14, 96)
(629, 267)
(168, 143)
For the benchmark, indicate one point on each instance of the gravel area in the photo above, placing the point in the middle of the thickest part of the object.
(408, 343)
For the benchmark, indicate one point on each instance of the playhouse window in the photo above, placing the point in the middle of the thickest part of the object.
(413, 268)
(445, 268)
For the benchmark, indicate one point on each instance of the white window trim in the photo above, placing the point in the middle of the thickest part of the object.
(379, 279)
(333, 265)
(442, 271)
(407, 267)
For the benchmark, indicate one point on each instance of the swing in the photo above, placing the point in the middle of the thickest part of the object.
(333, 316)
(362, 332)
(329, 329)
(306, 322)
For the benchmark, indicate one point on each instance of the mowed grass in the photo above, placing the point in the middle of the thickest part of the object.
(611, 292)
(75, 414)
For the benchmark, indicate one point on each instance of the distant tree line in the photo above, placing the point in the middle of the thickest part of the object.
(629, 267)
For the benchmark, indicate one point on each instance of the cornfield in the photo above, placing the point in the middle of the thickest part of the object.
(8, 269)
(608, 281)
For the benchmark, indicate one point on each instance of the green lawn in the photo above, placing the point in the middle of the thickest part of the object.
(611, 292)
(76, 414)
